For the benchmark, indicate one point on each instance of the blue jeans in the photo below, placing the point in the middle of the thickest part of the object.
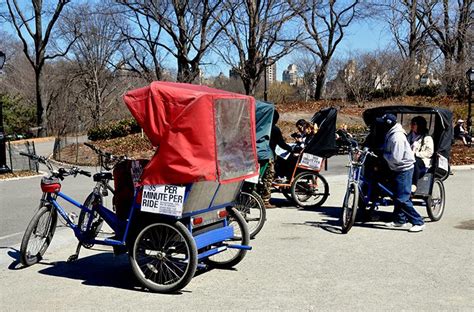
(404, 211)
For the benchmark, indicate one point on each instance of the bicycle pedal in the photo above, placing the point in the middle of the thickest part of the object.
(73, 258)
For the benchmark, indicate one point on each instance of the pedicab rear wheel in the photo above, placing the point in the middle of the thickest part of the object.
(252, 208)
(349, 207)
(230, 257)
(436, 201)
(164, 257)
(38, 235)
(307, 185)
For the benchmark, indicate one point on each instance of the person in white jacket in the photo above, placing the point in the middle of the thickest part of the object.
(400, 159)
(422, 145)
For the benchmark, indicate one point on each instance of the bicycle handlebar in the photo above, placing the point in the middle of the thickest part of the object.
(61, 172)
(106, 158)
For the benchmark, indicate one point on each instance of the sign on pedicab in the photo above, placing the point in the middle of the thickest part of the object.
(311, 161)
(163, 199)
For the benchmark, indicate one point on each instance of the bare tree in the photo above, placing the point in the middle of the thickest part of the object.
(307, 66)
(325, 22)
(256, 39)
(143, 54)
(28, 24)
(191, 26)
(447, 24)
(96, 54)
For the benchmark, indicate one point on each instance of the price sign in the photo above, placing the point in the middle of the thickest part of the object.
(163, 199)
(311, 161)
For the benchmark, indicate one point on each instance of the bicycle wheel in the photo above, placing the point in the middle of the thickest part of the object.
(164, 257)
(231, 256)
(90, 232)
(349, 207)
(38, 235)
(309, 189)
(436, 202)
(252, 208)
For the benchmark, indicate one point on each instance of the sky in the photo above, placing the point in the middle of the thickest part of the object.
(363, 36)
(360, 36)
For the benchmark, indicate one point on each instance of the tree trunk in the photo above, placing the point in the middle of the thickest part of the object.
(40, 112)
(320, 81)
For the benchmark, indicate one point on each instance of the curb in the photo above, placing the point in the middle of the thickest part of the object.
(40, 174)
(35, 140)
(463, 167)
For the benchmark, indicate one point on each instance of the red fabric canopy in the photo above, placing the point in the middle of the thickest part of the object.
(202, 134)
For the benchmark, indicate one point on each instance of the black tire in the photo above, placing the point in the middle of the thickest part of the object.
(252, 208)
(38, 235)
(230, 257)
(435, 203)
(349, 207)
(164, 257)
(83, 220)
(303, 189)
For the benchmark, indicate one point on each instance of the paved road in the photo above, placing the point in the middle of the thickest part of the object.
(20, 198)
(299, 261)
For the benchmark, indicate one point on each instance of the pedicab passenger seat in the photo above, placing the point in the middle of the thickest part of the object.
(124, 187)
(207, 194)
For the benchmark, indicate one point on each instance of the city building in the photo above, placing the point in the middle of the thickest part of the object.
(290, 75)
(271, 72)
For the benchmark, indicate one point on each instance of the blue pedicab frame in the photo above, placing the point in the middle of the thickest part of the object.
(219, 236)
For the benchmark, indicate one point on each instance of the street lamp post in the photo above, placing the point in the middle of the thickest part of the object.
(3, 156)
(265, 87)
(470, 79)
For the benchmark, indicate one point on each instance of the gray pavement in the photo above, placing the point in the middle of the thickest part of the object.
(299, 261)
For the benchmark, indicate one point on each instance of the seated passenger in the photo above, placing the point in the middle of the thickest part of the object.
(461, 133)
(423, 147)
(300, 135)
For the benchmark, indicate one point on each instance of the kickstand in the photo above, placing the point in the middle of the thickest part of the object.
(75, 256)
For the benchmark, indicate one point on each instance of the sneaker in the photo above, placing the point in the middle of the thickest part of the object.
(396, 224)
(417, 228)
(413, 188)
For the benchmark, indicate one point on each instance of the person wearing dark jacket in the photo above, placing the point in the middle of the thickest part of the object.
(400, 158)
(276, 137)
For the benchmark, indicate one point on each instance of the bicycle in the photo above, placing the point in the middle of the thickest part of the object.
(107, 163)
(43, 224)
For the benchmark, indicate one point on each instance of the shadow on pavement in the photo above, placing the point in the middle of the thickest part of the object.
(103, 269)
(331, 223)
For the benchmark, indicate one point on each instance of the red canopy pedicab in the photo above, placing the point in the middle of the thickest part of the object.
(206, 149)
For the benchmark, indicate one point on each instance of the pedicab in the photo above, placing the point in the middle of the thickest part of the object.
(249, 203)
(369, 184)
(181, 211)
(306, 186)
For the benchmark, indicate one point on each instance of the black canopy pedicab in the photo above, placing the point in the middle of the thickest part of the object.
(369, 187)
(306, 186)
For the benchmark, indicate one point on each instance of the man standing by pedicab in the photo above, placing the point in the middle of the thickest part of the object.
(400, 159)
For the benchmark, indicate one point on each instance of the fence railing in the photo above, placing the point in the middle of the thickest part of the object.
(17, 162)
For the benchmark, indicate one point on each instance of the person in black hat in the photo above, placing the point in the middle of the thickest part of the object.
(400, 159)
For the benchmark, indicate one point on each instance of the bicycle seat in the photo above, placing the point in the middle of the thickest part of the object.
(101, 176)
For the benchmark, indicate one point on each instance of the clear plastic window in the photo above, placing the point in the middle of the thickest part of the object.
(235, 156)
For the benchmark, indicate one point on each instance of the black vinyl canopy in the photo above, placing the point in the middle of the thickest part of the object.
(443, 126)
(323, 143)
